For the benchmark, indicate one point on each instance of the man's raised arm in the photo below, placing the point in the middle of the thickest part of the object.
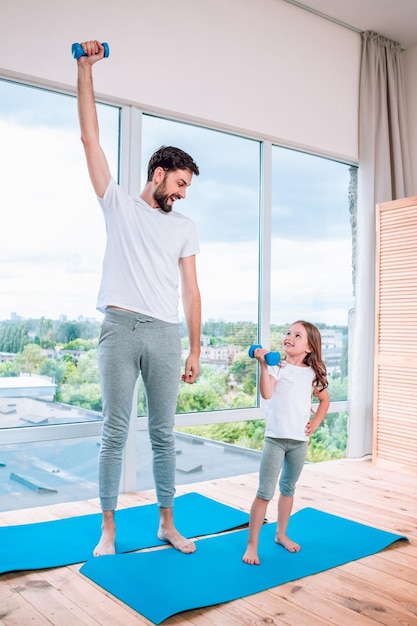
(98, 167)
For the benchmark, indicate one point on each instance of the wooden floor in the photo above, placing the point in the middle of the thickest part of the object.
(380, 589)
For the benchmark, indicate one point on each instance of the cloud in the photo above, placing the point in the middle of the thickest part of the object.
(52, 232)
(306, 283)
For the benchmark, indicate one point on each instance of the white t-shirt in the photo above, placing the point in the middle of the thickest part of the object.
(289, 409)
(144, 245)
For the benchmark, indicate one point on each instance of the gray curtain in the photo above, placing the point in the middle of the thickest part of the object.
(384, 175)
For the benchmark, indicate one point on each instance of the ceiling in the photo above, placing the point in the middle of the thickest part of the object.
(394, 19)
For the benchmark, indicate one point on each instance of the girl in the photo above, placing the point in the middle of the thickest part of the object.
(288, 388)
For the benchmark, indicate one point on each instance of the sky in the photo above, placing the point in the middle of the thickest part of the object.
(52, 233)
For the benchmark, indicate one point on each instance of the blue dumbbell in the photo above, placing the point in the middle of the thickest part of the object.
(272, 358)
(78, 52)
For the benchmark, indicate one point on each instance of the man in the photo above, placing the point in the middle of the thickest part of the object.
(146, 245)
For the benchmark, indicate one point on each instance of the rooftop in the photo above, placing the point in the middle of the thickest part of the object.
(50, 472)
(27, 385)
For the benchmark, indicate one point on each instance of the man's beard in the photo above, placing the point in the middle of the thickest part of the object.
(162, 201)
(162, 198)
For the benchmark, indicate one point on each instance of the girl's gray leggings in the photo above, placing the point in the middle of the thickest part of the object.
(131, 344)
(280, 455)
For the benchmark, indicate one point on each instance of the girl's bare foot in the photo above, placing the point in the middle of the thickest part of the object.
(251, 556)
(288, 544)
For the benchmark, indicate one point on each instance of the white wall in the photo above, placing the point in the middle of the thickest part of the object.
(261, 67)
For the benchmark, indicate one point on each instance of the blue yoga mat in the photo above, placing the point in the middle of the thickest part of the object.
(161, 583)
(72, 540)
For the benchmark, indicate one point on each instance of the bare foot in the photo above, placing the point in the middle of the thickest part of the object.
(106, 545)
(251, 556)
(187, 546)
(288, 544)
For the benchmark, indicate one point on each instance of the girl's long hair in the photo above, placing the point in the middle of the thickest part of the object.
(314, 358)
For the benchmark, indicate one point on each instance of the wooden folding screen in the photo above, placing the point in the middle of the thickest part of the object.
(395, 400)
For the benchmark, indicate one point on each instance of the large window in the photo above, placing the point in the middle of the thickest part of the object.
(275, 241)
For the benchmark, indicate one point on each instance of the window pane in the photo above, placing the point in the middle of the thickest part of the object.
(46, 473)
(312, 253)
(53, 239)
(224, 203)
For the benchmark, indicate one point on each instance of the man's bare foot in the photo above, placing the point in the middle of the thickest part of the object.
(106, 545)
(251, 556)
(288, 544)
(187, 546)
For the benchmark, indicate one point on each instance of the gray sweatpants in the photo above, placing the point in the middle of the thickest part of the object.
(280, 455)
(131, 344)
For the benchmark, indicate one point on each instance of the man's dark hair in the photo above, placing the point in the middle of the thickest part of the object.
(171, 159)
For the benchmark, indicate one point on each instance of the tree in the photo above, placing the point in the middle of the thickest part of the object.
(68, 331)
(330, 439)
(338, 389)
(81, 344)
(13, 337)
(46, 333)
(86, 370)
(204, 395)
(87, 367)
(8, 368)
(244, 335)
(85, 395)
(242, 367)
(31, 359)
(54, 369)
(201, 396)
